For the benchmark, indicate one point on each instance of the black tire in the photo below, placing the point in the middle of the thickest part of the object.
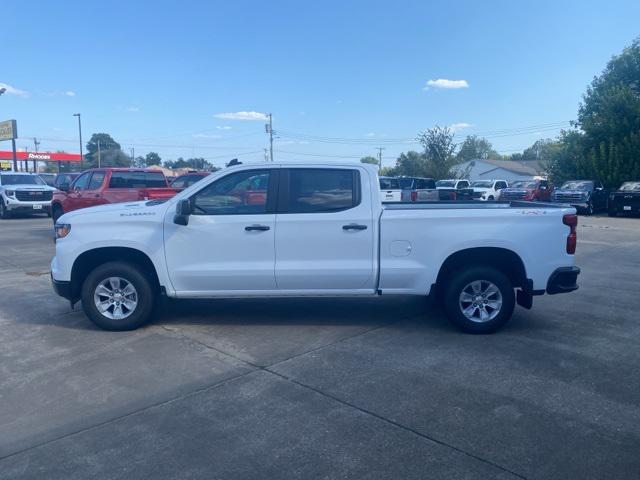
(590, 209)
(490, 198)
(56, 213)
(133, 275)
(456, 283)
(4, 213)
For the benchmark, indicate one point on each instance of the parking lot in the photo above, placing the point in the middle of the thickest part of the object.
(322, 388)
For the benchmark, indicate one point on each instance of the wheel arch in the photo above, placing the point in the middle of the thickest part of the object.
(505, 260)
(90, 259)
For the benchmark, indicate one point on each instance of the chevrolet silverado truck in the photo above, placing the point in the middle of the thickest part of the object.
(311, 230)
(110, 185)
(625, 200)
(488, 190)
(24, 193)
(587, 196)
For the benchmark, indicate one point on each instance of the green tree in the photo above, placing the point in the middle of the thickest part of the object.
(439, 150)
(475, 147)
(369, 159)
(111, 154)
(153, 158)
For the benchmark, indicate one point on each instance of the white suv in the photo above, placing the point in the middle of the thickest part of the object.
(488, 189)
(24, 193)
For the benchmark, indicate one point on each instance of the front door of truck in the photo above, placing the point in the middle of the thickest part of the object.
(228, 243)
(324, 230)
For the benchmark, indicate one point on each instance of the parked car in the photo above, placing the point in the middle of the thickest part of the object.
(186, 180)
(24, 193)
(454, 189)
(110, 185)
(488, 189)
(64, 179)
(49, 178)
(418, 189)
(625, 200)
(588, 196)
(390, 189)
(529, 190)
(318, 230)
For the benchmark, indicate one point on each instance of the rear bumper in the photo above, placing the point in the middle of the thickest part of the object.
(563, 280)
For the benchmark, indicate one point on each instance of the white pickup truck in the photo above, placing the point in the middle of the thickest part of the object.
(311, 230)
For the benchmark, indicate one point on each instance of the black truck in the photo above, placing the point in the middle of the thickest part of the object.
(625, 200)
(587, 196)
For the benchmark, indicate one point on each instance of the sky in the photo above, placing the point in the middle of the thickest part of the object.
(341, 78)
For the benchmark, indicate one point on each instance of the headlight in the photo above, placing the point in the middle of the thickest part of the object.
(62, 230)
(9, 193)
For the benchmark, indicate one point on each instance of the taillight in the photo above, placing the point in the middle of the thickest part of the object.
(571, 220)
(414, 196)
(452, 195)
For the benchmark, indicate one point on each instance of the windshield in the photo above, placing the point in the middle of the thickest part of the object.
(482, 184)
(523, 184)
(577, 185)
(21, 180)
(446, 183)
(389, 184)
(630, 187)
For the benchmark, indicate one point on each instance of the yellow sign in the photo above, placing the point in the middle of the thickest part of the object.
(5, 165)
(8, 130)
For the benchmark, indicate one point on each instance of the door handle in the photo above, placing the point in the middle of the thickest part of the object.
(259, 228)
(354, 226)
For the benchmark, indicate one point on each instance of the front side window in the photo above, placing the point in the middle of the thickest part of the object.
(463, 184)
(321, 190)
(239, 193)
(96, 181)
(81, 182)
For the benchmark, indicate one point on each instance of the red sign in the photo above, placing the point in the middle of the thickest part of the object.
(41, 156)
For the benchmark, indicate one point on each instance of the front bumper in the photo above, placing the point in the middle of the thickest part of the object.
(62, 288)
(28, 207)
(563, 280)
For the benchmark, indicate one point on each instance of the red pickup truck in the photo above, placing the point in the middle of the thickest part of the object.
(99, 186)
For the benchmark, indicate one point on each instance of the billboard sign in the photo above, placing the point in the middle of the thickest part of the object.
(8, 130)
(41, 156)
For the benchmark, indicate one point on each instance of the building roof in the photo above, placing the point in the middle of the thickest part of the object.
(522, 168)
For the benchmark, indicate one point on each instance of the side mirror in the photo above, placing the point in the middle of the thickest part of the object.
(183, 211)
(599, 189)
(65, 187)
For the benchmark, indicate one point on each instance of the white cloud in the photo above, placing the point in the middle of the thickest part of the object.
(370, 134)
(242, 116)
(445, 83)
(14, 91)
(224, 127)
(132, 109)
(205, 135)
(459, 126)
(70, 93)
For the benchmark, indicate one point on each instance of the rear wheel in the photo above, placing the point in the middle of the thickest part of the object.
(479, 299)
(56, 213)
(117, 296)
(590, 209)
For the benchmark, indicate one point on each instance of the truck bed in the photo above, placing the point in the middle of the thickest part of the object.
(443, 205)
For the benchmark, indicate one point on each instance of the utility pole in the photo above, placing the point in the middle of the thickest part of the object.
(36, 144)
(80, 136)
(269, 129)
(98, 153)
(133, 155)
(266, 154)
(380, 149)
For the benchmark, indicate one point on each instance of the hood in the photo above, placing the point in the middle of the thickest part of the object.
(518, 190)
(129, 210)
(481, 189)
(571, 192)
(22, 186)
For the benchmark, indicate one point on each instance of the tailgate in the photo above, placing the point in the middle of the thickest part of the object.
(391, 195)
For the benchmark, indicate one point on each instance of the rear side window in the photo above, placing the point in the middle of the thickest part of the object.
(425, 183)
(137, 180)
(389, 184)
(321, 190)
(463, 184)
(96, 181)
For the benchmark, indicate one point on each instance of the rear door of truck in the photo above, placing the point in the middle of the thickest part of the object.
(324, 230)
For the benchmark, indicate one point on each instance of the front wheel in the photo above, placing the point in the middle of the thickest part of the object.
(4, 212)
(590, 208)
(56, 213)
(117, 296)
(479, 299)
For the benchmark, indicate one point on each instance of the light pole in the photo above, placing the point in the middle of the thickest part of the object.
(80, 135)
